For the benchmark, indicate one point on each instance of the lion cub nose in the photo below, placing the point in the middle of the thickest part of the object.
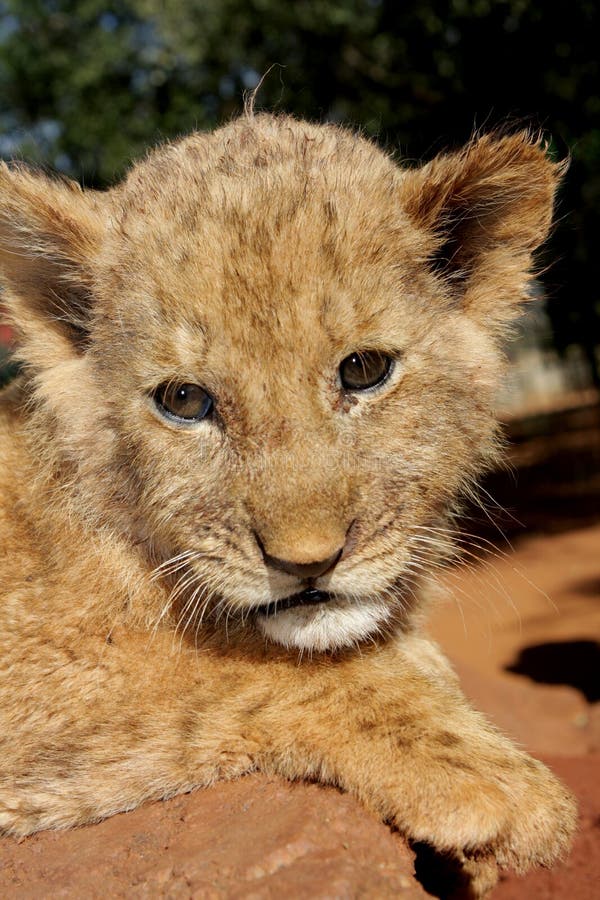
(303, 570)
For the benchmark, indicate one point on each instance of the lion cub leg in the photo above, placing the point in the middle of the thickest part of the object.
(409, 746)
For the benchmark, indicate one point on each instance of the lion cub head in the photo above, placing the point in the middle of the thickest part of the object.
(269, 358)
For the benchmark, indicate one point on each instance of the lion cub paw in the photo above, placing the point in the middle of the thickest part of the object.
(509, 811)
(539, 818)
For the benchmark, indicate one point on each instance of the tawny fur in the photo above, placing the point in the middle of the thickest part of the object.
(252, 261)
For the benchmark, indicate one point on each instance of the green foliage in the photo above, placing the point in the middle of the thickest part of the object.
(86, 86)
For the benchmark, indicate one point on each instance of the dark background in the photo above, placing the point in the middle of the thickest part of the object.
(86, 86)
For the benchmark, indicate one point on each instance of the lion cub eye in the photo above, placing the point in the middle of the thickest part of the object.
(364, 369)
(185, 402)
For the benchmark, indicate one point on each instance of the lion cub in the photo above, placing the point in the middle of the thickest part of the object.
(257, 376)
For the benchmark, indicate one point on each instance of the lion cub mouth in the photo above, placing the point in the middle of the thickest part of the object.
(307, 597)
(320, 621)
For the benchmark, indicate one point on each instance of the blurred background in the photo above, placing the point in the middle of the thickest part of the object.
(86, 86)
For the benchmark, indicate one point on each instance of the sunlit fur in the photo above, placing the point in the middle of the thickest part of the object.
(252, 261)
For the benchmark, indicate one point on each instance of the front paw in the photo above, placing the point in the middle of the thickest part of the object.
(540, 822)
(510, 810)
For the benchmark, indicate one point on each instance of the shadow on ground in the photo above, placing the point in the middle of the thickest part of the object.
(576, 663)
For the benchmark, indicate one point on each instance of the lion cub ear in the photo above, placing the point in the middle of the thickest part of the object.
(486, 209)
(50, 232)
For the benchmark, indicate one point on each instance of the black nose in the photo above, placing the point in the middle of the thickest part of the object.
(303, 570)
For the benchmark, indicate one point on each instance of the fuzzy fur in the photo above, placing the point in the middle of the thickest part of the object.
(251, 261)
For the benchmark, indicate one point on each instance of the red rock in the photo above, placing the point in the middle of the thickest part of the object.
(254, 838)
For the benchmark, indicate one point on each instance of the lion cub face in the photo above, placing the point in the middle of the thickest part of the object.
(270, 356)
